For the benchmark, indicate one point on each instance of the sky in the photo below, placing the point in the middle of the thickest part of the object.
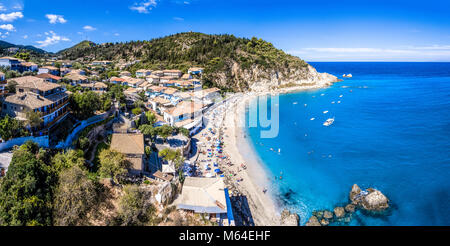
(314, 30)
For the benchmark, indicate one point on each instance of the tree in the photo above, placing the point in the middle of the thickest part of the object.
(135, 208)
(148, 130)
(136, 111)
(11, 128)
(75, 196)
(165, 131)
(172, 156)
(23, 55)
(151, 117)
(11, 87)
(34, 118)
(112, 164)
(68, 159)
(27, 190)
(85, 104)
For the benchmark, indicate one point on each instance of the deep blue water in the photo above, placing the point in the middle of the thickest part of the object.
(392, 132)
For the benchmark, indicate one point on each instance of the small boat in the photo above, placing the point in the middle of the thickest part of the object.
(295, 103)
(306, 105)
(347, 75)
(329, 122)
(341, 96)
(325, 112)
(333, 102)
(322, 95)
(313, 119)
(339, 101)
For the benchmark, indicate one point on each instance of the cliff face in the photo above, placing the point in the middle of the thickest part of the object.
(259, 79)
(231, 63)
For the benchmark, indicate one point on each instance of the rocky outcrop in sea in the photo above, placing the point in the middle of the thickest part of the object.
(369, 200)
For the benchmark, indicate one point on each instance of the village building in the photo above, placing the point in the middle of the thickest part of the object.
(78, 72)
(35, 94)
(207, 96)
(75, 78)
(98, 87)
(133, 82)
(132, 146)
(116, 80)
(163, 177)
(49, 69)
(29, 67)
(158, 73)
(49, 77)
(3, 84)
(173, 73)
(64, 70)
(187, 76)
(100, 63)
(125, 74)
(204, 196)
(11, 63)
(142, 73)
(195, 70)
(186, 114)
(153, 79)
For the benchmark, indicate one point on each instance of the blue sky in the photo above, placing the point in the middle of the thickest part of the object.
(321, 30)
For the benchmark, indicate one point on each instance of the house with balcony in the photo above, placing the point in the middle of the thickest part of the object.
(29, 67)
(11, 63)
(37, 95)
(186, 114)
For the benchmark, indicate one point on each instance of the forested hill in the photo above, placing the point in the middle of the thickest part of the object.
(230, 62)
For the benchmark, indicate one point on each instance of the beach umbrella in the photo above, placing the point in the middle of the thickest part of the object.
(217, 170)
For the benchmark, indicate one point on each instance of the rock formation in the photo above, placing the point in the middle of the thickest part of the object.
(313, 221)
(370, 199)
(339, 212)
(289, 219)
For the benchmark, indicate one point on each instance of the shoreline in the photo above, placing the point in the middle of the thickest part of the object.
(265, 209)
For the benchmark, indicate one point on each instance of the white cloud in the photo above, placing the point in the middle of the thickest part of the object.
(11, 16)
(18, 6)
(178, 18)
(25, 36)
(7, 27)
(116, 34)
(144, 7)
(2, 8)
(53, 19)
(89, 28)
(51, 40)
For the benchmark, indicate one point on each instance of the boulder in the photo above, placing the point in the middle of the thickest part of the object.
(354, 193)
(339, 212)
(375, 201)
(327, 215)
(324, 222)
(289, 219)
(313, 221)
(350, 208)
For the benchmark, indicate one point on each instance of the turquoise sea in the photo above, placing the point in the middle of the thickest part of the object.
(391, 132)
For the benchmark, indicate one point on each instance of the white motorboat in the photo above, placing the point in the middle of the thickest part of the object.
(325, 112)
(329, 122)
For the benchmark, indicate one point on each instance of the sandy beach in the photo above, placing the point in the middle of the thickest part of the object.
(244, 174)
